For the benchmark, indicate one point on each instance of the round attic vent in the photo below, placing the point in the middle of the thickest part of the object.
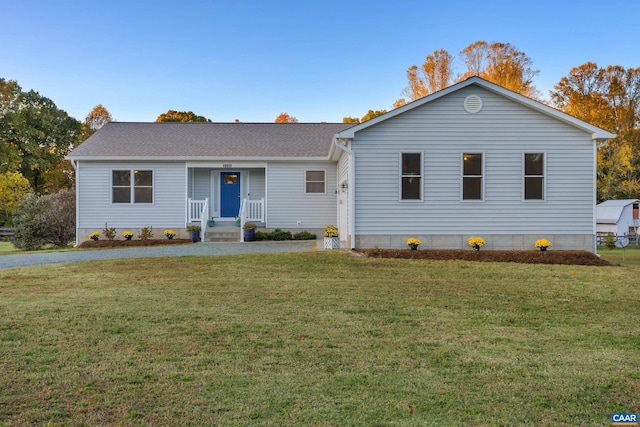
(472, 104)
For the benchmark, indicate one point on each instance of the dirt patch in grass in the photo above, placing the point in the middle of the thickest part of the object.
(126, 243)
(524, 257)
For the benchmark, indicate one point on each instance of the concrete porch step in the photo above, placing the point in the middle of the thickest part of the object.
(222, 232)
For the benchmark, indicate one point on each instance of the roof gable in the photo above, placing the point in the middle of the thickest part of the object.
(209, 141)
(596, 133)
(622, 203)
(610, 211)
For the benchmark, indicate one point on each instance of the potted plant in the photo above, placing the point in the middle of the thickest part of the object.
(476, 243)
(331, 237)
(414, 243)
(194, 230)
(211, 222)
(249, 232)
(542, 244)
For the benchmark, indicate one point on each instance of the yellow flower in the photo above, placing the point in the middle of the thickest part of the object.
(476, 242)
(412, 241)
(542, 243)
(95, 235)
(127, 234)
(331, 231)
(169, 233)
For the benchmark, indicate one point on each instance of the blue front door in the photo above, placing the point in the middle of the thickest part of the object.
(229, 194)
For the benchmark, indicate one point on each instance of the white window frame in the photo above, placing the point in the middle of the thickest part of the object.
(132, 186)
(306, 181)
(401, 176)
(543, 176)
(463, 176)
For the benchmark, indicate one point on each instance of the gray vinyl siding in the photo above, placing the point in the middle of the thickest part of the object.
(202, 187)
(502, 131)
(287, 202)
(94, 197)
(201, 184)
(257, 187)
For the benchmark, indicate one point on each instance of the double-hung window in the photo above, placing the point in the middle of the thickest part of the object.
(132, 186)
(315, 182)
(472, 176)
(534, 176)
(411, 176)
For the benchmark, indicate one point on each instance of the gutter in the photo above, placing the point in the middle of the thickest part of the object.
(351, 226)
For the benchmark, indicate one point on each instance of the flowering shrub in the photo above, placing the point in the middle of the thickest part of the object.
(413, 243)
(542, 244)
(170, 234)
(127, 235)
(476, 242)
(95, 235)
(331, 231)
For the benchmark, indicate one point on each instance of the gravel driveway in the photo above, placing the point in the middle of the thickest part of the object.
(198, 249)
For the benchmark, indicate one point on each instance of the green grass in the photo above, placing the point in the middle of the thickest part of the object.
(630, 256)
(8, 248)
(317, 339)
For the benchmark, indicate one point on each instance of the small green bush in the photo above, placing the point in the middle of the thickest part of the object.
(304, 235)
(280, 234)
(262, 235)
(610, 241)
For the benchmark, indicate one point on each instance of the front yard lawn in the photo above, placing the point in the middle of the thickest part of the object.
(324, 338)
(8, 248)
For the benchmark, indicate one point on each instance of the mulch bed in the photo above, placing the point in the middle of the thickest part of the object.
(525, 257)
(126, 243)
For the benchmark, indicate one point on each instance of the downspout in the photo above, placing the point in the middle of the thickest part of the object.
(351, 226)
(75, 168)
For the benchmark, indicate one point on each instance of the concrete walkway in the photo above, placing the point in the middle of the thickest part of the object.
(197, 249)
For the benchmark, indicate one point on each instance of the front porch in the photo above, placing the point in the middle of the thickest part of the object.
(225, 186)
(225, 229)
(225, 192)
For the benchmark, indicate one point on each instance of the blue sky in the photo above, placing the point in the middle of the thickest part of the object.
(251, 60)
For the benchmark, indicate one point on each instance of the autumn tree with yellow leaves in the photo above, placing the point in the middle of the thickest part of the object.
(182, 117)
(610, 99)
(436, 73)
(371, 114)
(500, 63)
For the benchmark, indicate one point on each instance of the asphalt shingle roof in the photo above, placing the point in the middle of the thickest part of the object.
(210, 140)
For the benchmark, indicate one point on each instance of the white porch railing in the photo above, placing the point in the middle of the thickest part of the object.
(250, 210)
(254, 210)
(204, 213)
(196, 209)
